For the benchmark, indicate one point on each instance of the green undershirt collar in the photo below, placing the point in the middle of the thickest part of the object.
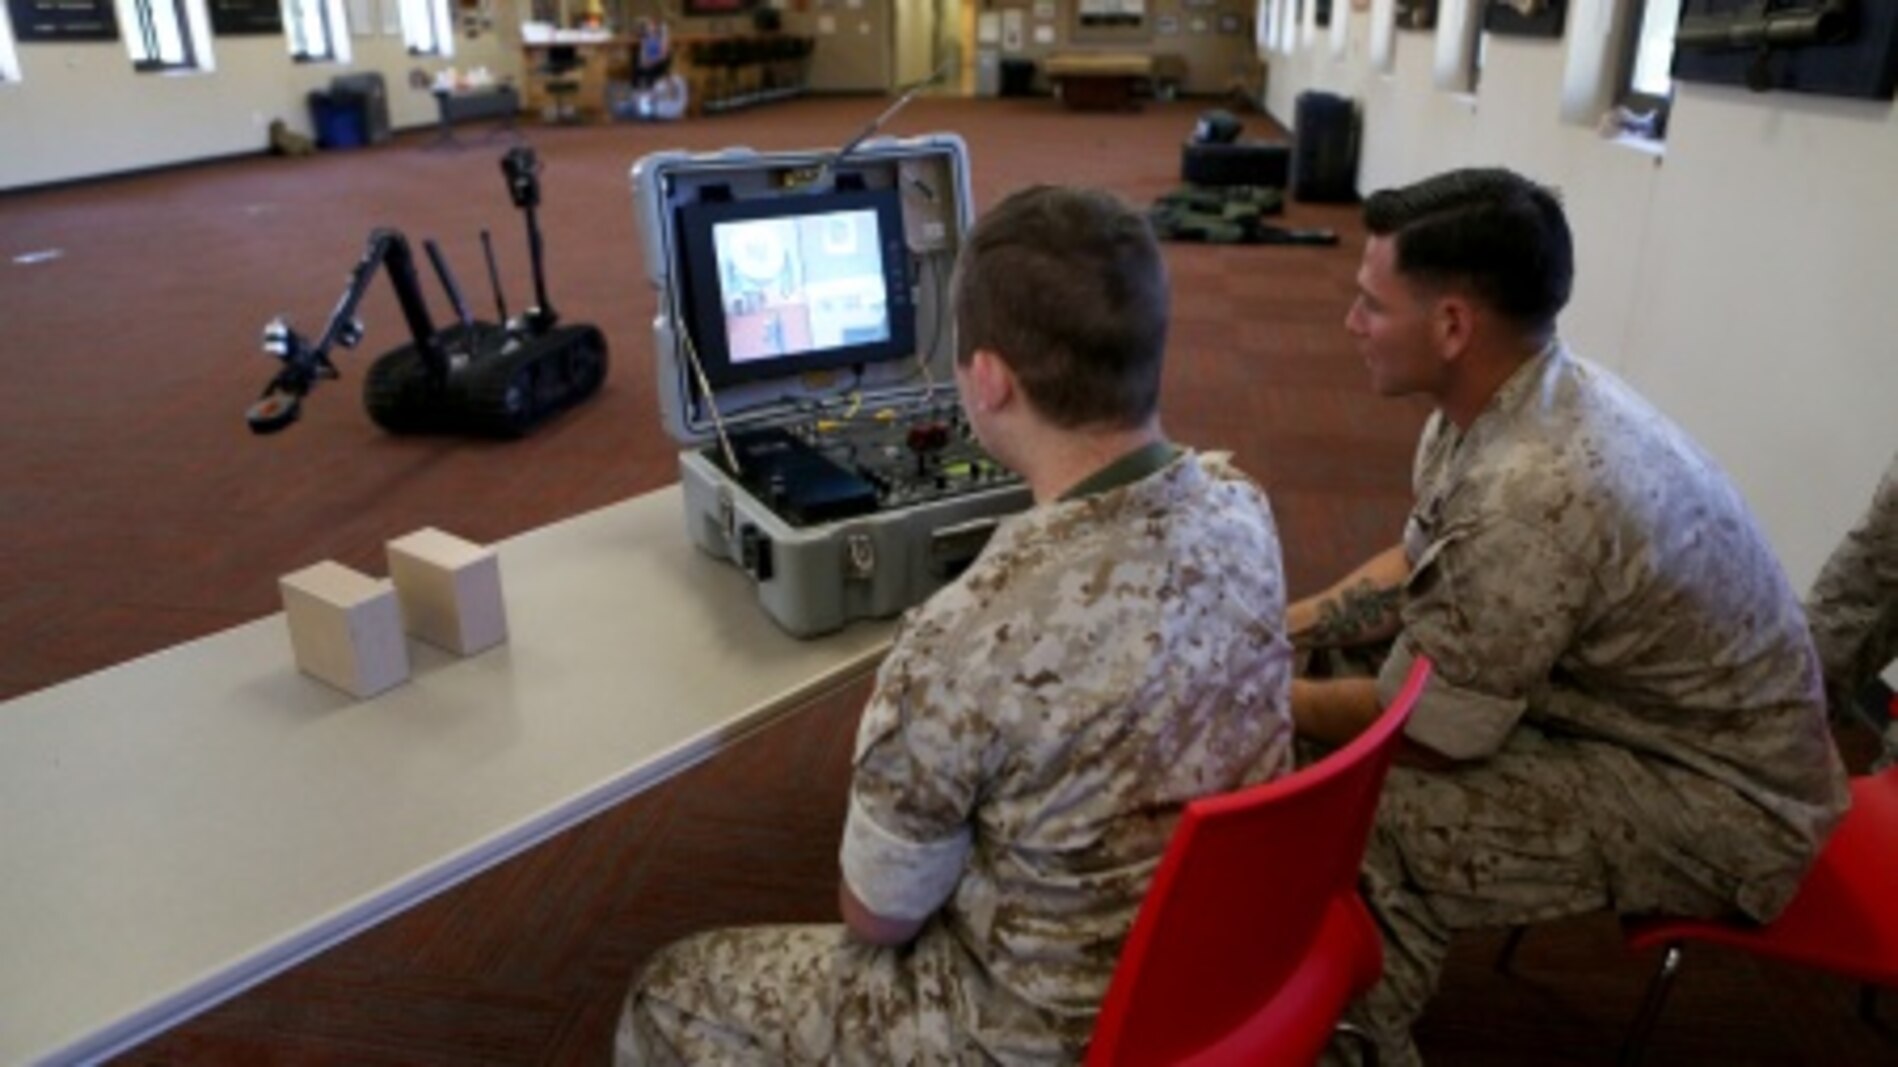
(1128, 469)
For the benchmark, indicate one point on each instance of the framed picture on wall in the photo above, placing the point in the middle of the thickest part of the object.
(1416, 14)
(1525, 18)
(717, 7)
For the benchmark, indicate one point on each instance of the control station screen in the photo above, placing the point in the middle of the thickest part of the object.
(782, 285)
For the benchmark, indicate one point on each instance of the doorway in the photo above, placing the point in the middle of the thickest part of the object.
(927, 42)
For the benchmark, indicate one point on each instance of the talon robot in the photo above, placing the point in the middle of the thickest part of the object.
(471, 377)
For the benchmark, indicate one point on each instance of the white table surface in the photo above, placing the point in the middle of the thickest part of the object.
(180, 827)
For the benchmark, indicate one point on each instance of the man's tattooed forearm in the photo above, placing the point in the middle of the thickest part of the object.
(1361, 613)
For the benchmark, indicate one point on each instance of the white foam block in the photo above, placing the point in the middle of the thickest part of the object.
(450, 590)
(345, 628)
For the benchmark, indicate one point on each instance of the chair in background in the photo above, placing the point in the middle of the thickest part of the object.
(1843, 920)
(562, 84)
(1252, 938)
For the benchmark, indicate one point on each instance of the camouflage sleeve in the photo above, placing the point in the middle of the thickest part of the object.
(1495, 608)
(1853, 606)
(907, 835)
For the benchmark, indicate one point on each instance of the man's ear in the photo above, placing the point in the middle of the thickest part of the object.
(991, 379)
(1453, 325)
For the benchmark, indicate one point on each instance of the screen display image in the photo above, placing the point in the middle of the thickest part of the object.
(788, 286)
(778, 286)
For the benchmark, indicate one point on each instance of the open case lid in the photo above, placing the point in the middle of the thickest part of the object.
(799, 283)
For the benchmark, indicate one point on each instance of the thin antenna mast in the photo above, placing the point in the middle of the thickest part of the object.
(822, 179)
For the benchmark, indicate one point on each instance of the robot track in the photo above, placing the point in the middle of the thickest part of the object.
(506, 390)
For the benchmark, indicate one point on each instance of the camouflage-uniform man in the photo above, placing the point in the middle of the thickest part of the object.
(1116, 650)
(1626, 711)
(1853, 605)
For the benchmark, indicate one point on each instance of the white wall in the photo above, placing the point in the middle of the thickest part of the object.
(80, 110)
(1746, 280)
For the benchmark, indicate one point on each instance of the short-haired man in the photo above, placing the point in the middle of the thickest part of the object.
(1626, 711)
(1115, 651)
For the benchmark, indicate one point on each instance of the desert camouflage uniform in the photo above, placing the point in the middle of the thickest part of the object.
(1624, 667)
(1020, 766)
(1853, 606)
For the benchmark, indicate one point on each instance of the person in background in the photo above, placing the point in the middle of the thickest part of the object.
(653, 60)
(1115, 651)
(1626, 711)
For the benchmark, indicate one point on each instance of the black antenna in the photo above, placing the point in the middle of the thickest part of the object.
(454, 291)
(822, 179)
(494, 279)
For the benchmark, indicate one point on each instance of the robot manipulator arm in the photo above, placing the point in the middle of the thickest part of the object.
(302, 366)
(305, 363)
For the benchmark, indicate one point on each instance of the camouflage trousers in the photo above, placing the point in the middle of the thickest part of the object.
(1548, 827)
(791, 995)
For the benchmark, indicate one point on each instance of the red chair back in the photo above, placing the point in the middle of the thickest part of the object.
(1252, 939)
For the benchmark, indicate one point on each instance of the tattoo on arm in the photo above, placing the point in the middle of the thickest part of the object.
(1359, 614)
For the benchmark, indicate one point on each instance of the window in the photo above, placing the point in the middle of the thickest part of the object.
(159, 35)
(1650, 88)
(1459, 35)
(314, 29)
(426, 29)
(1383, 38)
(1477, 55)
(9, 59)
(1268, 26)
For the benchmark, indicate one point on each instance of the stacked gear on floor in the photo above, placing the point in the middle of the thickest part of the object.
(1228, 215)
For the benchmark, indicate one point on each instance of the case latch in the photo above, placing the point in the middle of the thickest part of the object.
(860, 557)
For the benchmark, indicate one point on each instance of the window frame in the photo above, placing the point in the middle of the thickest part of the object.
(1479, 54)
(9, 51)
(141, 38)
(1627, 95)
(331, 21)
(438, 26)
(1459, 30)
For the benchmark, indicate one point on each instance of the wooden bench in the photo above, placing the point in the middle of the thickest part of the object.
(474, 105)
(1113, 80)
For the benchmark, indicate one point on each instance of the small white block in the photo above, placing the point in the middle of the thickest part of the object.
(345, 628)
(450, 590)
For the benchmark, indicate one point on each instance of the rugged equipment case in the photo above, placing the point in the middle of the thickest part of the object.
(816, 577)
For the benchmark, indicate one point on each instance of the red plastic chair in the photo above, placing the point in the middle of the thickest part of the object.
(1844, 919)
(1252, 938)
